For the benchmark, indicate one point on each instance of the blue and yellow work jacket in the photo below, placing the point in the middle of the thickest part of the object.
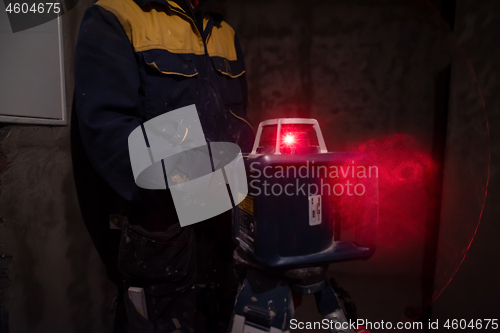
(137, 59)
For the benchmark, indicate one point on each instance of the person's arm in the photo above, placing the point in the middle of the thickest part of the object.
(242, 78)
(247, 132)
(107, 100)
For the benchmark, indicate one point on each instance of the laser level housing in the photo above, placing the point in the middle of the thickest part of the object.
(282, 222)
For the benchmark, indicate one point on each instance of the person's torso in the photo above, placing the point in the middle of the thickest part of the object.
(178, 66)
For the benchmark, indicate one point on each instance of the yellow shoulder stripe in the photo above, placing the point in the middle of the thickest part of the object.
(221, 42)
(154, 28)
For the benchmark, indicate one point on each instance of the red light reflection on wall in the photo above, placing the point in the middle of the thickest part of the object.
(406, 174)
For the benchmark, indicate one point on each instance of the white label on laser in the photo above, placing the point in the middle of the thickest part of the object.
(315, 209)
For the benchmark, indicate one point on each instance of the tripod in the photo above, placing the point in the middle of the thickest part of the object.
(265, 304)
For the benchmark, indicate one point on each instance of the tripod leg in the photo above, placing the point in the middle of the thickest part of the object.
(329, 306)
(263, 304)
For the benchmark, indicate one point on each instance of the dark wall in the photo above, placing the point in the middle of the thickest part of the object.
(474, 292)
(51, 277)
(366, 70)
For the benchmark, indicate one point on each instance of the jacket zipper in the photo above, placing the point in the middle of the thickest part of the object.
(200, 34)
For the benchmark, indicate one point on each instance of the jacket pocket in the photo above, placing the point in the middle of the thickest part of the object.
(231, 69)
(231, 81)
(170, 63)
(169, 81)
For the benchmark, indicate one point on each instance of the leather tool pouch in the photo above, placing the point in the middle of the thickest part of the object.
(161, 262)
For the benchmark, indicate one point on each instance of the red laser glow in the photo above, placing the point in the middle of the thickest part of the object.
(289, 139)
(406, 175)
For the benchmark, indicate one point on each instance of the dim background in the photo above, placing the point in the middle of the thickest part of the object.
(366, 70)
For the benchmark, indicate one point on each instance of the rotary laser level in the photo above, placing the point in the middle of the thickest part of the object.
(302, 203)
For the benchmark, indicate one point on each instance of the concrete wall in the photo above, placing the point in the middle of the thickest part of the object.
(368, 70)
(364, 69)
(474, 291)
(51, 279)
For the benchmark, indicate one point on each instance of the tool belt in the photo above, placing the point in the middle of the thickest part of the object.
(160, 262)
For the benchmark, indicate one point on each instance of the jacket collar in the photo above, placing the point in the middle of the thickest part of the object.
(174, 5)
(213, 20)
(170, 3)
